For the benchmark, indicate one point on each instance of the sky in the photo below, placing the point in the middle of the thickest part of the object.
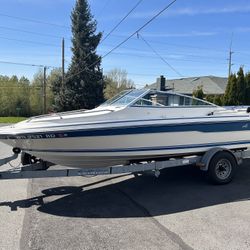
(191, 38)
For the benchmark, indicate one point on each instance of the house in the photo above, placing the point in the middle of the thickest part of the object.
(211, 85)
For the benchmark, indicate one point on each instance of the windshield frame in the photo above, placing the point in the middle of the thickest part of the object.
(209, 104)
(113, 100)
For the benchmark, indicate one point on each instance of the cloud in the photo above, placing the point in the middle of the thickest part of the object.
(181, 34)
(242, 29)
(196, 11)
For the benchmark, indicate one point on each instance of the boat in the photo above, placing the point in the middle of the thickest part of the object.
(134, 126)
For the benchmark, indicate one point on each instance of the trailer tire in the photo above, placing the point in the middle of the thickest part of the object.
(221, 168)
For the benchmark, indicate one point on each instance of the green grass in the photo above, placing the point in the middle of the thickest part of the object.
(11, 119)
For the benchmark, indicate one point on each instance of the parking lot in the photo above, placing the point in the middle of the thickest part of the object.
(179, 210)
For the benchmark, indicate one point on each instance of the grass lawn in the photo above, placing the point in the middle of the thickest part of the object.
(11, 119)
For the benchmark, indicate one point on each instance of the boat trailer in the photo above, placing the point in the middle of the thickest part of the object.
(219, 163)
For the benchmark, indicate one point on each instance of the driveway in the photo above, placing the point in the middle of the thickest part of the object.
(179, 210)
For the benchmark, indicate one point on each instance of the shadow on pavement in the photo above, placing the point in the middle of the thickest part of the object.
(176, 190)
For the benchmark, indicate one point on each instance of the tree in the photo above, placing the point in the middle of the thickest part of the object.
(198, 93)
(218, 100)
(22, 97)
(210, 98)
(36, 94)
(83, 83)
(241, 87)
(231, 93)
(14, 96)
(53, 89)
(247, 81)
(116, 81)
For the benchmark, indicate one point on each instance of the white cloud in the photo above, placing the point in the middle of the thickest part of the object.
(242, 29)
(181, 34)
(196, 11)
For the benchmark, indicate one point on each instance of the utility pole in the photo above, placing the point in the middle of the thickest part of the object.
(63, 60)
(230, 62)
(230, 58)
(44, 89)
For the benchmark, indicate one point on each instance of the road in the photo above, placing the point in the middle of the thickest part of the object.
(179, 210)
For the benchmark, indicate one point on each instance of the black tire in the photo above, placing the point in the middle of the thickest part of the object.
(222, 167)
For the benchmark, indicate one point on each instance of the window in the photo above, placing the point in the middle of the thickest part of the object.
(125, 97)
(169, 100)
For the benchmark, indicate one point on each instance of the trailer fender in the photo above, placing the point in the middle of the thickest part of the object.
(207, 157)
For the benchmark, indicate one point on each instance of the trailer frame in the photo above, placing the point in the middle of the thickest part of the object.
(37, 170)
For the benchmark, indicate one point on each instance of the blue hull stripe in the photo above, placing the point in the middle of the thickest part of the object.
(208, 127)
(149, 120)
(176, 147)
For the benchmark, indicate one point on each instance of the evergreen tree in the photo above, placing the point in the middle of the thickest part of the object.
(83, 83)
(227, 91)
(234, 92)
(247, 94)
(231, 94)
(210, 98)
(217, 100)
(198, 93)
(241, 87)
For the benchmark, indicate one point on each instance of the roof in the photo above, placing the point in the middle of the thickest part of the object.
(210, 84)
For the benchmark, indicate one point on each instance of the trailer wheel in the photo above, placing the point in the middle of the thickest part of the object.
(222, 168)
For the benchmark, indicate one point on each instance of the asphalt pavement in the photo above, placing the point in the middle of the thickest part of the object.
(179, 210)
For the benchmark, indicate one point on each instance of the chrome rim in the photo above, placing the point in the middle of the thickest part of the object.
(223, 169)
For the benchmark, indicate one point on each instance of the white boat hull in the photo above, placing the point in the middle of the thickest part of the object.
(113, 135)
(100, 151)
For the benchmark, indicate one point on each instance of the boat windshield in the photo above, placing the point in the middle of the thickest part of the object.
(115, 98)
(125, 97)
(153, 98)
(169, 99)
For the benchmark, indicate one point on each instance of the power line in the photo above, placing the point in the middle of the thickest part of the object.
(163, 59)
(27, 64)
(54, 55)
(188, 46)
(180, 45)
(34, 21)
(170, 59)
(31, 32)
(32, 42)
(181, 54)
(28, 41)
(123, 19)
(125, 40)
(141, 28)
